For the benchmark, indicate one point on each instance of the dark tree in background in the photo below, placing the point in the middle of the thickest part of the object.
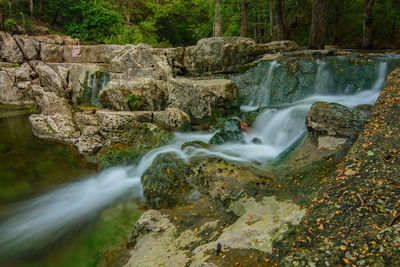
(244, 21)
(281, 29)
(318, 24)
(367, 29)
(217, 19)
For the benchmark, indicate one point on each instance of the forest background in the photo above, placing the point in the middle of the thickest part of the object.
(370, 24)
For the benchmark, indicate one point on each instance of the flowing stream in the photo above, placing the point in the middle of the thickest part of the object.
(36, 223)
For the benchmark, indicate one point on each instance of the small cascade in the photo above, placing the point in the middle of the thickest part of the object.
(99, 81)
(262, 93)
(323, 80)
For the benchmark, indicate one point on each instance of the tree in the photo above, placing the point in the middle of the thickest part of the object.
(281, 29)
(31, 8)
(244, 21)
(218, 19)
(367, 27)
(278, 28)
(318, 24)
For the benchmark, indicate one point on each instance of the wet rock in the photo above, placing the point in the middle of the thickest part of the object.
(164, 182)
(335, 120)
(250, 117)
(230, 133)
(29, 46)
(195, 144)
(283, 46)
(10, 49)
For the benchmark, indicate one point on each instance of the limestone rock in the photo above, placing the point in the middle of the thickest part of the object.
(152, 92)
(89, 53)
(140, 61)
(260, 224)
(15, 86)
(29, 46)
(172, 118)
(199, 98)
(51, 52)
(283, 46)
(153, 242)
(332, 119)
(230, 133)
(51, 80)
(10, 49)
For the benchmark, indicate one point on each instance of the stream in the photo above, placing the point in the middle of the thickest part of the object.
(289, 88)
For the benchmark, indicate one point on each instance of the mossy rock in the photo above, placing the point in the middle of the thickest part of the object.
(230, 133)
(251, 116)
(196, 144)
(164, 182)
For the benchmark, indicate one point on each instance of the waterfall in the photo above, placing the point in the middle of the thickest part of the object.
(99, 81)
(35, 224)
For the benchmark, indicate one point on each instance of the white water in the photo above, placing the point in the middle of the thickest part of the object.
(39, 222)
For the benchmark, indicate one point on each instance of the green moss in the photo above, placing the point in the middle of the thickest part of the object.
(164, 183)
(135, 102)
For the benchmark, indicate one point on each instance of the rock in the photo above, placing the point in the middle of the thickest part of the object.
(10, 49)
(217, 55)
(15, 86)
(172, 118)
(332, 119)
(152, 92)
(225, 182)
(29, 46)
(229, 54)
(82, 78)
(195, 144)
(136, 61)
(260, 224)
(164, 182)
(51, 52)
(89, 53)
(55, 122)
(283, 46)
(199, 98)
(40, 29)
(230, 133)
(51, 80)
(153, 242)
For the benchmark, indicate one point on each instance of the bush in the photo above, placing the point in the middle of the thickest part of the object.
(10, 25)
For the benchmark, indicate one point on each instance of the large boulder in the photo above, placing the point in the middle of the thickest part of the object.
(29, 46)
(199, 98)
(51, 80)
(10, 49)
(138, 94)
(335, 120)
(15, 86)
(228, 54)
(51, 52)
(56, 121)
(140, 61)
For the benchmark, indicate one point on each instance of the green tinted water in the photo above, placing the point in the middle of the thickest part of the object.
(31, 167)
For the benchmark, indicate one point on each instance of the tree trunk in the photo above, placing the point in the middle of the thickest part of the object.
(336, 27)
(31, 8)
(9, 7)
(41, 7)
(318, 24)
(218, 20)
(272, 20)
(367, 29)
(243, 27)
(281, 33)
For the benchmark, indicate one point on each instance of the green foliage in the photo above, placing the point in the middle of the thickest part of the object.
(10, 25)
(135, 102)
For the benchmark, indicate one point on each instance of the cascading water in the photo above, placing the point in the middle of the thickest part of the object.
(34, 224)
(99, 81)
